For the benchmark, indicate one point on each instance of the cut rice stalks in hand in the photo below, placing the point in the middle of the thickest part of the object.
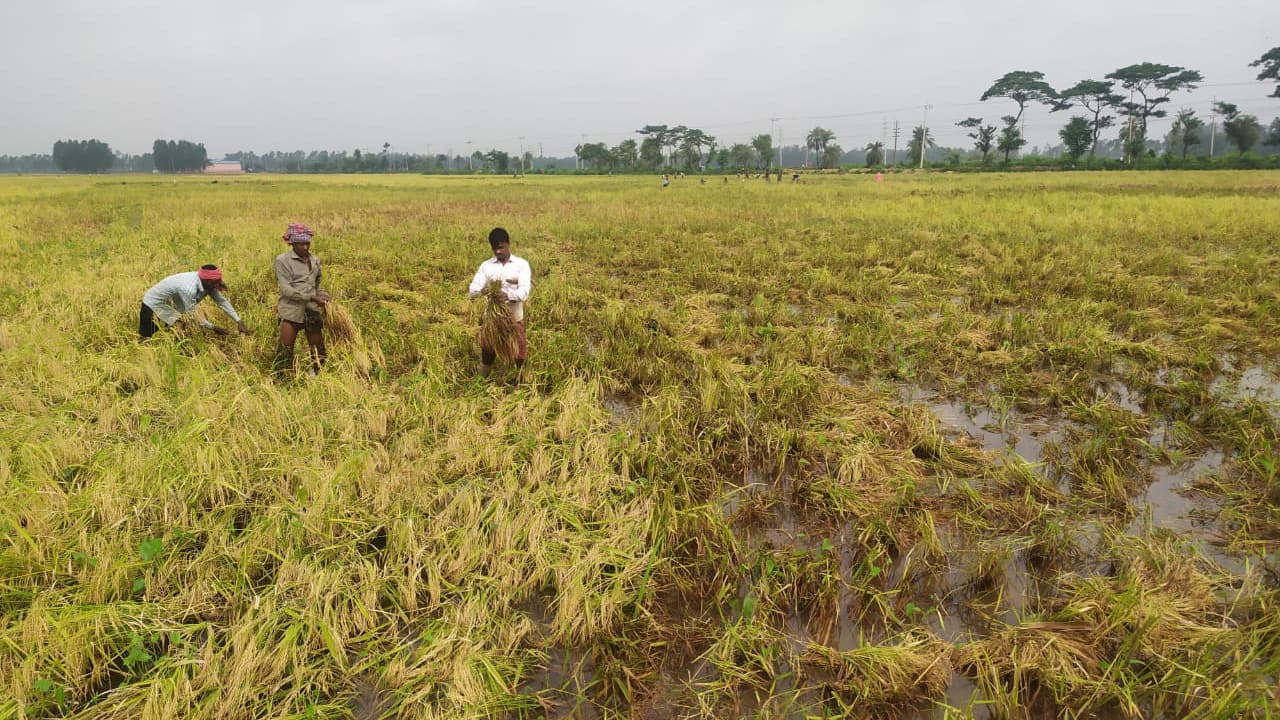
(497, 326)
(342, 329)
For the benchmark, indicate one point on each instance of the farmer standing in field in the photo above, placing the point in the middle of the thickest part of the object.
(177, 295)
(516, 278)
(302, 301)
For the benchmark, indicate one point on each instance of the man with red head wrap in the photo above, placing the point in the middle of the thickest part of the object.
(177, 295)
(302, 302)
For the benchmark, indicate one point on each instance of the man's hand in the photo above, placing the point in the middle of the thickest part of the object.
(244, 329)
(322, 298)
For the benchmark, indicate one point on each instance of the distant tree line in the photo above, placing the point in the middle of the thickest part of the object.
(679, 147)
(179, 156)
(1126, 99)
(1133, 95)
(92, 156)
(35, 163)
(338, 161)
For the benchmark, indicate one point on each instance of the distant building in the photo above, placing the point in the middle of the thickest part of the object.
(223, 167)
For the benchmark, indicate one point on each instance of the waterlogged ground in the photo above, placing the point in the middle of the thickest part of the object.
(950, 446)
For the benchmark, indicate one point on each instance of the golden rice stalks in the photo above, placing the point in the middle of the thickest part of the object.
(883, 675)
(341, 328)
(497, 326)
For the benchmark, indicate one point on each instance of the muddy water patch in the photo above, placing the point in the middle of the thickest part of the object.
(761, 508)
(561, 682)
(1171, 505)
(371, 701)
(1167, 505)
(1260, 384)
(1166, 500)
(943, 593)
(963, 699)
(674, 693)
(975, 421)
(1254, 383)
(624, 410)
(1116, 392)
(1023, 435)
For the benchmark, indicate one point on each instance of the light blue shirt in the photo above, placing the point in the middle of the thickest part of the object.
(178, 295)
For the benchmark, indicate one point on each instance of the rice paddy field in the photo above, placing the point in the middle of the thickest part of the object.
(990, 446)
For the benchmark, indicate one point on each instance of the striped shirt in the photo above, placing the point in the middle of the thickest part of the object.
(178, 295)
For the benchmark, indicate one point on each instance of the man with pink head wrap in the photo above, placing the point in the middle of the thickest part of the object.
(177, 295)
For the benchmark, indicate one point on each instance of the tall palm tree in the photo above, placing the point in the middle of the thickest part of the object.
(875, 153)
(818, 139)
(913, 147)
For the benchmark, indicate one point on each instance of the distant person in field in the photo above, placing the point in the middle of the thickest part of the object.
(665, 180)
(302, 302)
(517, 280)
(177, 295)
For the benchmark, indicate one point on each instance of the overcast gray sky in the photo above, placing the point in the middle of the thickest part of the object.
(432, 74)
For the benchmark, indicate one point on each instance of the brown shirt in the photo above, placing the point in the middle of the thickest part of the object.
(299, 282)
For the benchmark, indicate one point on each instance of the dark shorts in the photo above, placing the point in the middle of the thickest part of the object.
(147, 325)
(314, 322)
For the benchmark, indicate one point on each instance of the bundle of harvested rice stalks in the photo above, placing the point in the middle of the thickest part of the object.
(497, 327)
(341, 328)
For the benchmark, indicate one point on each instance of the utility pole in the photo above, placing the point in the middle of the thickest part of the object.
(1213, 124)
(1128, 144)
(521, 154)
(884, 140)
(470, 160)
(896, 132)
(773, 120)
(924, 134)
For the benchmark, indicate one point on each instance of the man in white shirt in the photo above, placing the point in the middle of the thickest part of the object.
(514, 274)
(177, 295)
